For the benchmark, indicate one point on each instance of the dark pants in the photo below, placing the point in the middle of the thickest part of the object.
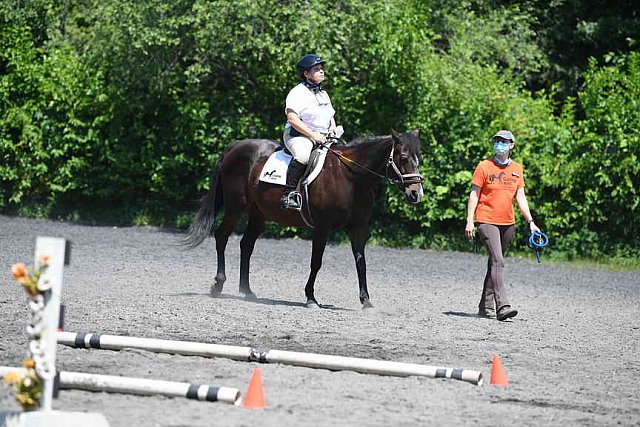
(496, 239)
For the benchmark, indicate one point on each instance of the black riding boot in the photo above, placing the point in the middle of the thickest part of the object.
(291, 199)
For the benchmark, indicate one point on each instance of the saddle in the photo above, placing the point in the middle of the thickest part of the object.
(274, 170)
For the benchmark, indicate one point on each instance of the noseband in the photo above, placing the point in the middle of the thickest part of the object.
(400, 179)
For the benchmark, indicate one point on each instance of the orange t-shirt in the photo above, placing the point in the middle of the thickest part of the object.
(498, 186)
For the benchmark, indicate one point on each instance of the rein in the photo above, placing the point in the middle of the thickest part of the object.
(403, 180)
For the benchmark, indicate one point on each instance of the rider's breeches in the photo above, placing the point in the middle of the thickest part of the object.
(299, 146)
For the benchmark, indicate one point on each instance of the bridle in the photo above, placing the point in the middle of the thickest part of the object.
(400, 179)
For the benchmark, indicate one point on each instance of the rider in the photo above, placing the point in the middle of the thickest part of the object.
(309, 121)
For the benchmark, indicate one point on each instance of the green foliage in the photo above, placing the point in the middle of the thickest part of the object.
(570, 32)
(114, 110)
(600, 175)
(485, 33)
(48, 109)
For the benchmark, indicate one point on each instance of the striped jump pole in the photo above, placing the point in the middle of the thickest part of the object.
(141, 386)
(251, 354)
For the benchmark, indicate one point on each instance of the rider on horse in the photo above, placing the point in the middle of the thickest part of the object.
(309, 121)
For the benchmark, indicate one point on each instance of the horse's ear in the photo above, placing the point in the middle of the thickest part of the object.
(416, 133)
(395, 135)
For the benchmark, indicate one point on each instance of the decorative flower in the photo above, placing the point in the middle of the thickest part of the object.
(28, 388)
(20, 272)
(28, 401)
(44, 285)
(30, 280)
(11, 378)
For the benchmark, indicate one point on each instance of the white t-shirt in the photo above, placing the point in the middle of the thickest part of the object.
(314, 109)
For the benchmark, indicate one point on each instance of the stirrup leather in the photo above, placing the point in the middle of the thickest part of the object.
(292, 201)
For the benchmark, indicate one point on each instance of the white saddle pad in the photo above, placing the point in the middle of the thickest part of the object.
(275, 169)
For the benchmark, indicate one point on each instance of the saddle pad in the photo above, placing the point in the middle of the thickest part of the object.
(274, 170)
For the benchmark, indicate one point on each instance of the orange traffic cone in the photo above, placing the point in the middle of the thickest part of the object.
(498, 375)
(254, 399)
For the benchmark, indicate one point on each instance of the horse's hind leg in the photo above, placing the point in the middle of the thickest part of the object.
(222, 237)
(319, 243)
(255, 227)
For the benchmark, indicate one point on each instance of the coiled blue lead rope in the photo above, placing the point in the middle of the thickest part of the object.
(537, 241)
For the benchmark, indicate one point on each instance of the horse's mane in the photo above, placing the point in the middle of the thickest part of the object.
(411, 142)
(368, 140)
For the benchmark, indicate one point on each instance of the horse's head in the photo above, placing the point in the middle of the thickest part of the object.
(403, 164)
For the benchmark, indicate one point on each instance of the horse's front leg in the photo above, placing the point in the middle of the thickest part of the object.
(255, 227)
(359, 236)
(320, 237)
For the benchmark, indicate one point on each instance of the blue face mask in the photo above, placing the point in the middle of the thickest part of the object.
(501, 147)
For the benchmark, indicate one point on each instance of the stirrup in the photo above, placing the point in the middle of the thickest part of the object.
(292, 201)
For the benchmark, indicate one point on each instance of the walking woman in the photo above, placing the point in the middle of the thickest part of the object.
(495, 183)
(309, 121)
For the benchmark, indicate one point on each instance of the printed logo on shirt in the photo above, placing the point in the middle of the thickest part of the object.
(502, 179)
(497, 176)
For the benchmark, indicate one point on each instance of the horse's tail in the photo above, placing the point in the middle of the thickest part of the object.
(210, 206)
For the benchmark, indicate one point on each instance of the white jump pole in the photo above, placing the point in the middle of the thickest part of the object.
(310, 360)
(141, 386)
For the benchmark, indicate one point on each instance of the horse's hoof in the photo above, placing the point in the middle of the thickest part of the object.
(216, 290)
(313, 304)
(367, 306)
(250, 296)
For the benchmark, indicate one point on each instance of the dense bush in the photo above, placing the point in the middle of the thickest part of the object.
(597, 177)
(119, 109)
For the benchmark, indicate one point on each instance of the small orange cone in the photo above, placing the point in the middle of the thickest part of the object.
(254, 398)
(498, 375)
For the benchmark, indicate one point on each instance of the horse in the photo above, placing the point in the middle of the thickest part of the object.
(341, 197)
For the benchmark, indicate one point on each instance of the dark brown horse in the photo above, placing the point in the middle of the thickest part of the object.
(342, 196)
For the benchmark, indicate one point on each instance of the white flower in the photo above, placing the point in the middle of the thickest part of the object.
(34, 330)
(36, 304)
(36, 347)
(44, 285)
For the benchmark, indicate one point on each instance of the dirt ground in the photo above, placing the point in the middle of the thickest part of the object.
(572, 354)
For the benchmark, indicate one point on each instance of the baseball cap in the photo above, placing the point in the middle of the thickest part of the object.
(505, 134)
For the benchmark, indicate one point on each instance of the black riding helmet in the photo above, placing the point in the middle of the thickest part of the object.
(308, 61)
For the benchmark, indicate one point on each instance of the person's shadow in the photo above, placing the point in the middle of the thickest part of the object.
(462, 314)
(472, 315)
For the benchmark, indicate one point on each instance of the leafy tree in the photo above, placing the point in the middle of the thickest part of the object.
(122, 108)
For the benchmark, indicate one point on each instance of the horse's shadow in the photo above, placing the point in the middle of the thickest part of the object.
(264, 301)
